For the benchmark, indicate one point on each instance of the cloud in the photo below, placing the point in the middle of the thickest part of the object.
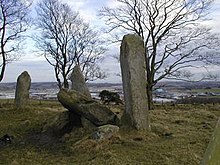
(89, 9)
(37, 66)
(112, 67)
(40, 71)
(214, 14)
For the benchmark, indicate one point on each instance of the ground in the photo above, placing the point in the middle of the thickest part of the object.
(179, 135)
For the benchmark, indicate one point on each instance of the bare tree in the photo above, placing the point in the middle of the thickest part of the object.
(67, 40)
(175, 39)
(14, 22)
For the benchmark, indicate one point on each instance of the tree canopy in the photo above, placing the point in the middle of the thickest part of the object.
(175, 39)
(66, 40)
(14, 22)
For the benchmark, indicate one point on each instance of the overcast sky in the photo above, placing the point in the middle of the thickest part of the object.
(41, 71)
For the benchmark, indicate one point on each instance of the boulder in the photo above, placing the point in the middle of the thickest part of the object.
(87, 124)
(78, 82)
(81, 105)
(97, 114)
(60, 124)
(105, 132)
(70, 98)
(22, 90)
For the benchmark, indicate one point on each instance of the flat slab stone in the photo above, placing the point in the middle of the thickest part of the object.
(97, 114)
(79, 104)
(69, 98)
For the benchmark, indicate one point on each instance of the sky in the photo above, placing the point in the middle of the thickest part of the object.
(41, 71)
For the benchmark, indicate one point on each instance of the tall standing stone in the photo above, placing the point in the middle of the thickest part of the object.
(212, 153)
(22, 90)
(78, 82)
(134, 82)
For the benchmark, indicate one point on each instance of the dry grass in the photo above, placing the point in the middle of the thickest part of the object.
(180, 135)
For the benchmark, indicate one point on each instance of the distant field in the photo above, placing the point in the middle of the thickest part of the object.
(180, 135)
(213, 90)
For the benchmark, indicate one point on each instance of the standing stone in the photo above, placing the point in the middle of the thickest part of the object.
(22, 90)
(212, 153)
(78, 82)
(134, 82)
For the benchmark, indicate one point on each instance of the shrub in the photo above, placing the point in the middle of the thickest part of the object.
(107, 97)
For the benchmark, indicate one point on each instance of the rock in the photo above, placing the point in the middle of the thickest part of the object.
(105, 132)
(87, 124)
(213, 150)
(70, 98)
(22, 90)
(79, 104)
(14, 162)
(78, 82)
(132, 59)
(97, 114)
(5, 140)
(60, 124)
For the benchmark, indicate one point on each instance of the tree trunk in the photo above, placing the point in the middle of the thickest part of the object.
(57, 77)
(3, 68)
(150, 97)
(3, 54)
(65, 83)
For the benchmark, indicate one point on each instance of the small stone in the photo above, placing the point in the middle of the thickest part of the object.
(14, 162)
(105, 132)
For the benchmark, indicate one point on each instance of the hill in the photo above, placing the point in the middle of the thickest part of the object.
(180, 135)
